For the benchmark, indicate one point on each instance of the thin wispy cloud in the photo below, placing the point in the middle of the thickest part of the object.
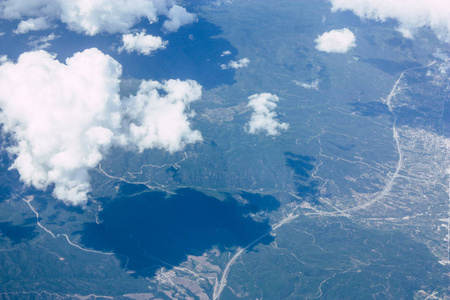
(42, 42)
(242, 63)
(313, 85)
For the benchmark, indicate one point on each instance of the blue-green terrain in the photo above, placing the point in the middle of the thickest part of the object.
(351, 201)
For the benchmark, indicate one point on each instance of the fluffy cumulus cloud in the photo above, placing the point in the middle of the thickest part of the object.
(242, 63)
(94, 16)
(178, 16)
(63, 117)
(410, 14)
(31, 25)
(263, 117)
(336, 41)
(142, 43)
(159, 111)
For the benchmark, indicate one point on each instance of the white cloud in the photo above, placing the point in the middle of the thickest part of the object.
(43, 42)
(17, 9)
(263, 117)
(32, 25)
(178, 16)
(410, 14)
(242, 63)
(95, 16)
(337, 41)
(224, 53)
(161, 118)
(54, 111)
(64, 117)
(220, 2)
(444, 66)
(141, 43)
(3, 59)
(314, 85)
(111, 16)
